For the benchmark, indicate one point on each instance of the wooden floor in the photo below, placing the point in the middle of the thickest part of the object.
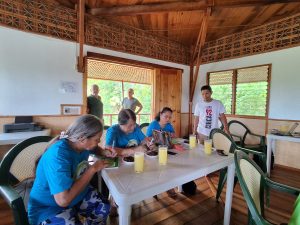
(201, 209)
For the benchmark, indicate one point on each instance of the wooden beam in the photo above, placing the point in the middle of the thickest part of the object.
(201, 44)
(150, 8)
(179, 6)
(233, 4)
(194, 73)
(81, 11)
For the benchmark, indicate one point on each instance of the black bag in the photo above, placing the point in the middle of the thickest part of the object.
(189, 188)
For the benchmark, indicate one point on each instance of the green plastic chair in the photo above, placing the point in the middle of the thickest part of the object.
(254, 183)
(223, 141)
(242, 135)
(144, 127)
(17, 166)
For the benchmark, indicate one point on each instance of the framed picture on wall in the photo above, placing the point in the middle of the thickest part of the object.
(71, 109)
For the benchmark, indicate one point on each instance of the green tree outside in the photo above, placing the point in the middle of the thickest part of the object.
(111, 96)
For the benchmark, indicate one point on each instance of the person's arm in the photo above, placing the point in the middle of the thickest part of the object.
(196, 122)
(63, 199)
(140, 107)
(224, 122)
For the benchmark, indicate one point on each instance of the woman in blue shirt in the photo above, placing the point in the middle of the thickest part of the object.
(162, 122)
(126, 137)
(60, 193)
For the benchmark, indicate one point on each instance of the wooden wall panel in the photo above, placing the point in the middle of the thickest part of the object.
(167, 92)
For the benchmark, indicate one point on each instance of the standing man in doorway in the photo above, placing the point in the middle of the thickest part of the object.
(94, 103)
(207, 113)
(131, 103)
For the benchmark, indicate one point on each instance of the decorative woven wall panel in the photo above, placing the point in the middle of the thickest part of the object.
(111, 35)
(284, 33)
(40, 17)
(51, 19)
(112, 71)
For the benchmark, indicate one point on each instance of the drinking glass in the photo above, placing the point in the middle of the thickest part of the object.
(193, 141)
(208, 146)
(138, 162)
(162, 154)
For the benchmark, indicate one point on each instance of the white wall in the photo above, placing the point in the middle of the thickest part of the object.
(33, 67)
(285, 79)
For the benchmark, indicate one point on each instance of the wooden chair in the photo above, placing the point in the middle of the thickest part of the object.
(144, 127)
(223, 141)
(254, 183)
(16, 167)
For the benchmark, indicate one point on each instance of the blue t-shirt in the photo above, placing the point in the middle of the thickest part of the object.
(115, 135)
(56, 172)
(154, 125)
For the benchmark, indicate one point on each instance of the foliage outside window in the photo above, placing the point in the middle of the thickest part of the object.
(112, 96)
(242, 91)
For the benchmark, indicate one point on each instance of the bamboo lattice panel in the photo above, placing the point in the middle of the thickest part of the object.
(284, 33)
(40, 17)
(119, 37)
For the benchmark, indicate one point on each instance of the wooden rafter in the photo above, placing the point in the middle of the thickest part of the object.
(199, 48)
(179, 6)
(194, 73)
(81, 11)
(150, 8)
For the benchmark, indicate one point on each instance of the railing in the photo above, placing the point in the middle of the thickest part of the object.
(110, 119)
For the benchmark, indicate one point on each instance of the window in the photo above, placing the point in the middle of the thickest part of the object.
(114, 80)
(243, 91)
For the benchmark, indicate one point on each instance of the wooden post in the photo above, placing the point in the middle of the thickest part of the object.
(194, 74)
(81, 11)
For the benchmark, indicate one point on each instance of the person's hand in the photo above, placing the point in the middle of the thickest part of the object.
(110, 152)
(99, 165)
(140, 148)
(149, 141)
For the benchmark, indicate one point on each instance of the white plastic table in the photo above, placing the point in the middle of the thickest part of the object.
(271, 138)
(15, 138)
(128, 187)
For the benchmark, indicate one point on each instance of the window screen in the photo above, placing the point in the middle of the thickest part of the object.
(251, 91)
(221, 84)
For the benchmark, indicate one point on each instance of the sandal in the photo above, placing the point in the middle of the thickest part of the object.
(171, 193)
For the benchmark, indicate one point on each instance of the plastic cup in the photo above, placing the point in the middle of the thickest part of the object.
(162, 154)
(208, 146)
(284, 128)
(138, 162)
(193, 141)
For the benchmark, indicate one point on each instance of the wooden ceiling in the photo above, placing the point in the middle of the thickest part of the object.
(163, 18)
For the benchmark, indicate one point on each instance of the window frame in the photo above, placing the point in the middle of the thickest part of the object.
(234, 86)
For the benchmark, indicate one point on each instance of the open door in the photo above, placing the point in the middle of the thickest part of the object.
(167, 92)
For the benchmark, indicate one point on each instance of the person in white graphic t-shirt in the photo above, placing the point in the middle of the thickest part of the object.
(207, 113)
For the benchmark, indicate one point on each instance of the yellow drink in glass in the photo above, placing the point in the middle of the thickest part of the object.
(208, 146)
(139, 162)
(193, 141)
(162, 155)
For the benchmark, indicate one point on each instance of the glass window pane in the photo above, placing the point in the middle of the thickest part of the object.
(223, 93)
(142, 92)
(111, 96)
(251, 98)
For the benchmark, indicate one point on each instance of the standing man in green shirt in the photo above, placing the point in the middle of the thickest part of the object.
(94, 103)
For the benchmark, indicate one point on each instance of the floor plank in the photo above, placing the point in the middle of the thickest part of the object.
(201, 208)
